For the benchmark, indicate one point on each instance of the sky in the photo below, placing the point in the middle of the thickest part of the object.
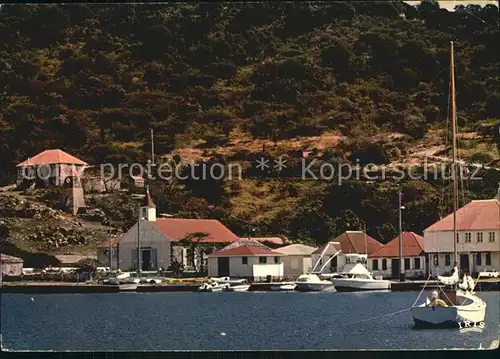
(450, 4)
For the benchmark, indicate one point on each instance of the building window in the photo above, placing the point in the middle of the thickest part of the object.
(436, 260)
(468, 237)
(262, 260)
(384, 264)
(479, 237)
(458, 237)
(244, 260)
(488, 259)
(407, 263)
(491, 237)
(447, 259)
(276, 260)
(416, 263)
(478, 259)
(375, 264)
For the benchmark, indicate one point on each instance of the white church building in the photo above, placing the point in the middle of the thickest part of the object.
(477, 240)
(161, 240)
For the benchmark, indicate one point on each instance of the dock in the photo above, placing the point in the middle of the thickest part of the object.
(417, 285)
(83, 288)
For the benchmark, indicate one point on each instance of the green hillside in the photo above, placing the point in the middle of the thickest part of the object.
(229, 82)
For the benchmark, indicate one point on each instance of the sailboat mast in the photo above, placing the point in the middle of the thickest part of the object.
(454, 150)
(401, 264)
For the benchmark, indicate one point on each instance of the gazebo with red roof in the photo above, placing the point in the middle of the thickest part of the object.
(49, 168)
(385, 260)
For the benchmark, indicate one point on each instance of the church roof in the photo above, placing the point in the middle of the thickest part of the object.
(148, 201)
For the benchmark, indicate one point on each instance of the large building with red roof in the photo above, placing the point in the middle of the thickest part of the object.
(385, 260)
(246, 259)
(165, 240)
(477, 241)
(49, 168)
(353, 246)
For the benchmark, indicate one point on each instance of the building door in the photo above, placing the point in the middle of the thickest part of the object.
(223, 267)
(333, 265)
(395, 268)
(464, 262)
(146, 259)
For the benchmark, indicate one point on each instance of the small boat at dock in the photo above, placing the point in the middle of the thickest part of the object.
(284, 287)
(227, 280)
(313, 283)
(358, 278)
(237, 288)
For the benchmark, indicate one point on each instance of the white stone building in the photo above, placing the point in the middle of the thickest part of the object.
(349, 242)
(385, 261)
(161, 241)
(253, 261)
(296, 260)
(477, 240)
(11, 266)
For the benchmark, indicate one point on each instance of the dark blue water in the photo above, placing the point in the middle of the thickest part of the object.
(258, 321)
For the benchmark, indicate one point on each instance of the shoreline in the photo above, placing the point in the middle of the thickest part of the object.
(187, 286)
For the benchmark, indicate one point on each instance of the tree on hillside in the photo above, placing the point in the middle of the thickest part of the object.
(197, 250)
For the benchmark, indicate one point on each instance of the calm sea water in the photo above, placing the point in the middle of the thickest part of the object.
(227, 321)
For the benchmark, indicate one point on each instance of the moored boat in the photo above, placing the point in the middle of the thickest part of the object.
(227, 280)
(237, 288)
(285, 287)
(313, 283)
(457, 305)
(358, 278)
(212, 287)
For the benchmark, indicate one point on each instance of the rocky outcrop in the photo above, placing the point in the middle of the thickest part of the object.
(50, 229)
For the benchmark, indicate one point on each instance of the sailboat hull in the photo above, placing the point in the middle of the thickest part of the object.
(452, 316)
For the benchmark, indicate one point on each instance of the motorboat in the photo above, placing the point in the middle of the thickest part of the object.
(213, 287)
(227, 280)
(285, 287)
(358, 278)
(312, 283)
(236, 288)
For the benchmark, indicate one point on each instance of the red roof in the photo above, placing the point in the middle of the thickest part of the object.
(474, 216)
(113, 242)
(4, 258)
(176, 229)
(354, 242)
(48, 157)
(413, 246)
(246, 251)
(275, 240)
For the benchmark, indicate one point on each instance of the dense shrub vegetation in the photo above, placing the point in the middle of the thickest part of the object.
(94, 80)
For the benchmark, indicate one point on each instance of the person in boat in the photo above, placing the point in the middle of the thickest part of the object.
(435, 301)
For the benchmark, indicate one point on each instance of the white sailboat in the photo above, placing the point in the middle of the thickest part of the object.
(451, 308)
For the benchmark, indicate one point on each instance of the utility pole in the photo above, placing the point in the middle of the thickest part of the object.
(401, 264)
(152, 149)
(110, 251)
(139, 241)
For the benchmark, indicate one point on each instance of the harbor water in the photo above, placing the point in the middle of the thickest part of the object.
(228, 321)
